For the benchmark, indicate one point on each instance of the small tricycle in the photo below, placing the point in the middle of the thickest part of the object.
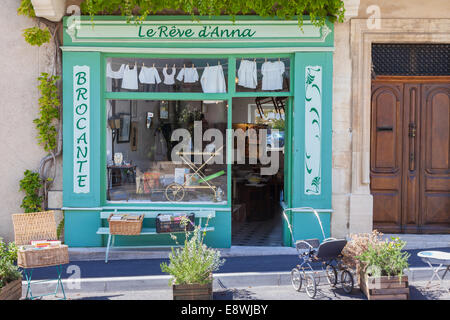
(328, 255)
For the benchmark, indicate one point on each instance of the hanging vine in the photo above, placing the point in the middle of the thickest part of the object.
(138, 10)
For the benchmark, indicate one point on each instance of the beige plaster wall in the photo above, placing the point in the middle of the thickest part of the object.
(353, 208)
(21, 65)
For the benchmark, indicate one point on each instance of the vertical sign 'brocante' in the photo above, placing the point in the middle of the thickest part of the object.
(81, 110)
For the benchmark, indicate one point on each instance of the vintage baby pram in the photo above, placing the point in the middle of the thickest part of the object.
(327, 254)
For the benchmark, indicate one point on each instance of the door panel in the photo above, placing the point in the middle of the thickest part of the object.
(435, 155)
(386, 155)
(410, 155)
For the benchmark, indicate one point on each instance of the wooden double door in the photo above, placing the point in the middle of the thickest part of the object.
(410, 154)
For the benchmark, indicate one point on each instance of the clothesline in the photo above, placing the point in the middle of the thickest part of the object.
(224, 65)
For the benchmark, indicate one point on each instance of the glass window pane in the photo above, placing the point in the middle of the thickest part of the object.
(166, 75)
(166, 151)
(262, 74)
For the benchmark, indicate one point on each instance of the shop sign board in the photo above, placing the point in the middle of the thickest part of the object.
(81, 127)
(200, 31)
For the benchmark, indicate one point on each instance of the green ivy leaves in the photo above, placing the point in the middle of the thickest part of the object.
(31, 184)
(37, 36)
(48, 112)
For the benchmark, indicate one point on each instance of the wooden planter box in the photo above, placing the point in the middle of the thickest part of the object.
(12, 291)
(384, 288)
(192, 291)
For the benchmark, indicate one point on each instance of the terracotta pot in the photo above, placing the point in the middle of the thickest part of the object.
(12, 290)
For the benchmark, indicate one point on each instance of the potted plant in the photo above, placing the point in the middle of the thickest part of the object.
(10, 276)
(191, 267)
(380, 266)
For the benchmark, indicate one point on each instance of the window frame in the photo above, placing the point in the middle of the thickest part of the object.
(188, 96)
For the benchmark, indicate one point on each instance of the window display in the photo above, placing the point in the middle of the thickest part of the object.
(148, 161)
(262, 74)
(167, 75)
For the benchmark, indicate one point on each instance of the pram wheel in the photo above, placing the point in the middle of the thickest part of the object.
(296, 279)
(331, 275)
(310, 286)
(174, 192)
(347, 281)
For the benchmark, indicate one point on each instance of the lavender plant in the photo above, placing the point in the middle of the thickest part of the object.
(194, 262)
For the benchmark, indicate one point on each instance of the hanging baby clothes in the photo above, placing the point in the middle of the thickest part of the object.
(149, 75)
(272, 73)
(213, 80)
(190, 75)
(169, 78)
(247, 74)
(114, 74)
(130, 78)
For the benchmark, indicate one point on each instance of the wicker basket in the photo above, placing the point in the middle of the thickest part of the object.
(125, 227)
(34, 226)
(44, 257)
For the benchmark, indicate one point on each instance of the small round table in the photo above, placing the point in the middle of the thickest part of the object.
(440, 258)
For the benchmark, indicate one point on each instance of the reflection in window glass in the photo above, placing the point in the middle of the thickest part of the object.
(166, 75)
(144, 164)
(262, 74)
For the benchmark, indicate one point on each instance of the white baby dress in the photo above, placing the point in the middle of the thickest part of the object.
(169, 78)
(149, 75)
(114, 74)
(130, 78)
(272, 73)
(189, 75)
(247, 74)
(213, 80)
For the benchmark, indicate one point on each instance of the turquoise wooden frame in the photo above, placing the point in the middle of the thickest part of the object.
(81, 210)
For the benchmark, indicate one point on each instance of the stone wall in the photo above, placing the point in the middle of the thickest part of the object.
(351, 199)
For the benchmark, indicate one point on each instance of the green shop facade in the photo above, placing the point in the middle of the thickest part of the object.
(95, 103)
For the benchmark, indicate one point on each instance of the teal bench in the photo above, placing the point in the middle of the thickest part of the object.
(201, 215)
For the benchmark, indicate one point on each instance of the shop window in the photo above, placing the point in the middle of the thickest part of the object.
(262, 74)
(166, 151)
(166, 75)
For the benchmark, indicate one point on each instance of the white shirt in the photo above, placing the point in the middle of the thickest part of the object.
(247, 74)
(190, 75)
(213, 80)
(114, 74)
(272, 73)
(130, 78)
(169, 78)
(149, 75)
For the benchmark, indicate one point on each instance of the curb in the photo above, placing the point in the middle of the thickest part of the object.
(161, 282)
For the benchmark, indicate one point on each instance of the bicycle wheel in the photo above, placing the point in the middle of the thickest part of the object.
(296, 279)
(347, 281)
(331, 272)
(174, 192)
(311, 287)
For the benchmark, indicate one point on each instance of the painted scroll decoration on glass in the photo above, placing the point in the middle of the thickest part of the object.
(313, 129)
